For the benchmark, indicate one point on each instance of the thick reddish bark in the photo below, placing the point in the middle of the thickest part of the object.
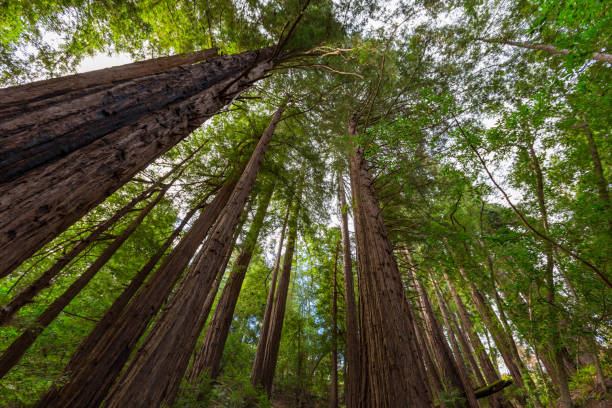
(208, 358)
(36, 95)
(256, 371)
(277, 315)
(154, 374)
(392, 371)
(97, 143)
(26, 295)
(351, 361)
(17, 349)
(89, 380)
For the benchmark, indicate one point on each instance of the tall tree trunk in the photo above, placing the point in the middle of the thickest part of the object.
(333, 399)
(277, 315)
(17, 349)
(462, 369)
(26, 295)
(488, 369)
(256, 371)
(450, 373)
(392, 373)
(351, 360)
(208, 358)
(158, 367)
(97, 143)
(89, 380)
(21, 99)
(553, 319)
(431, 369)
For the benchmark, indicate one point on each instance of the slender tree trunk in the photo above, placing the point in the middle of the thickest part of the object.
(450, 373)
(89, 380)
(25, 296)
(278, 311)
(333, 400)
(97, 143)
(21, 99)
(488, 369)
(257, 370)
(208, 358)
(351, 360)
(431, 369)
(462, 369)
(602, 183)
(553, 319)
(17, 349)
(392, 372)
(159, 365)
(551, 49)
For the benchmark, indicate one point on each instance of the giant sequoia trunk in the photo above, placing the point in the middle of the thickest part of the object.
(256, 371)
(208, 358)
(58, 162)
(277, 316)
(88, 380)
(392, 371)
(31, 97)
(351, 361)
(154, 374)
(26, 295)
(17, 349)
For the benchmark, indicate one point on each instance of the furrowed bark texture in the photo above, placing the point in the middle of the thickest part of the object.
(58, 163)
(256, 371)
(30, 97)
(158, 367)
(17, 349)
(25, 296)
(351, 384)
(392, 373)
(277, 315)
(89, 380)
(208, 358)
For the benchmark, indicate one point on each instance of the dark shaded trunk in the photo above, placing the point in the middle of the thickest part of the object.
(93, 145)
(351, 359)
(432, 373)
(450, 374)
(153, 376)
(277, 315)
(89, 380)
(333, 398)
(462, 369)
(208, 358)
(25, 296)
(256, 371)
(392, 373)
(600, 178)
(17, 349)
(31, 97)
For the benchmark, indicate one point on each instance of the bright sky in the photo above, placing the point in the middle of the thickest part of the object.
(100, 61)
